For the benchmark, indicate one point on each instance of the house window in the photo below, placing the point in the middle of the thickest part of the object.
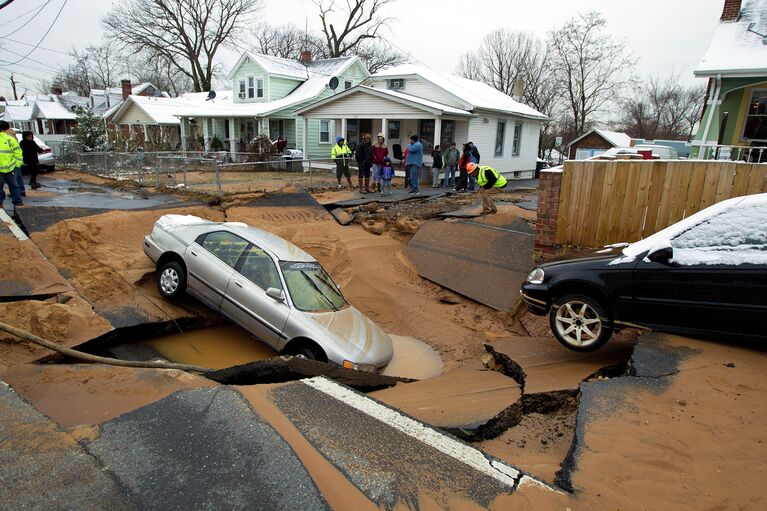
(347, 84)
(500, 137)
(397, 84)
(448, 134)
(324, 131)
(756, 118)
(242, 89)
(259, 88)
(251, 87)
(517, 139)
(394, 130)
(276, 128)
(426, 134)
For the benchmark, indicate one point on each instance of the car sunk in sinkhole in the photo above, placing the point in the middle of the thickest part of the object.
(268, 286)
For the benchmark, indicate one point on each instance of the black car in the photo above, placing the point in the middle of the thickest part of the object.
(704, 276)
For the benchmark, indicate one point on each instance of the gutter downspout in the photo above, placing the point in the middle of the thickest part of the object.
(712, 102)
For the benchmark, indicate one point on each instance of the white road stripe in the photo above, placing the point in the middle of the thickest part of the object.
(12, 225)
(506, 474)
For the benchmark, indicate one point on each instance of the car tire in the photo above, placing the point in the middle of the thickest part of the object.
(580, 323)
(310, 351)
(171, 280)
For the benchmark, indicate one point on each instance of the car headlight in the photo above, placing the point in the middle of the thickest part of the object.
(536, 276)
(368, 368)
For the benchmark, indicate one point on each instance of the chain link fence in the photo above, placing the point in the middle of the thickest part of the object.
(205, 172)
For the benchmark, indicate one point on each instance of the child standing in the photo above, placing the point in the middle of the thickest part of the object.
(387, 174)
(436, 165)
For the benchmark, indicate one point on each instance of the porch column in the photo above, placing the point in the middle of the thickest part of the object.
(184, 133)
(206, 133)
(384, 128)
(305, 147)
(233, 140)
(343, 128)
(437, 129)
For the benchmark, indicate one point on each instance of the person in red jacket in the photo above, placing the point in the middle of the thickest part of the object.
(380, 151)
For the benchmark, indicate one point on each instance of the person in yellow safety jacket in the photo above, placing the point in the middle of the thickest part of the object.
(341, 154)
(10, 159)
(488, 180)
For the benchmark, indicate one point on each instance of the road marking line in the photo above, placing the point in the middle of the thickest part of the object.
(12, 226)
(471, 456)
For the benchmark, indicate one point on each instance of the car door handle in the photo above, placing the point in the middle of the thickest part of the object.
(237, 284)
(193, 253)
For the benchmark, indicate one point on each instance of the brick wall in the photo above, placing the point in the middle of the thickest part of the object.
(548, 210)
(731, 10)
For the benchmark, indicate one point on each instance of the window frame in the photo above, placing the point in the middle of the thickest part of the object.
(516, 145)
(348, 84)
(259, 87)
(754, 92)
(241, 263)
(399, 81)
(391, 127)
(251, 87)
(200, 240)
(243, 89)
(426, 134)
(500, 131)
(320, 132)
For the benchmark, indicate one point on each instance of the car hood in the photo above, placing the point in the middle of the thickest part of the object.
(363, 340)
(602, 260)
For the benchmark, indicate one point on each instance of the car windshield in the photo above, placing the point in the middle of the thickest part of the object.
(311, 289)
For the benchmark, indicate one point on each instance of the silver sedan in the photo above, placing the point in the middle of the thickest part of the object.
(268, 286)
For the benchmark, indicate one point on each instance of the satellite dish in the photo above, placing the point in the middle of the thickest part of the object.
(333, 83)
(211, 96)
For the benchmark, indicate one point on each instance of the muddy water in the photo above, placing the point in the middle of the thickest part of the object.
(217, 347)
(413, 359)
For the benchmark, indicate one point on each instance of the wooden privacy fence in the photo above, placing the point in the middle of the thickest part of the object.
(603, 202)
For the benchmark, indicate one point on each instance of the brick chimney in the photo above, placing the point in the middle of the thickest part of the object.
(306, 57)
(126, 87)
(56, 90)
(731, 10)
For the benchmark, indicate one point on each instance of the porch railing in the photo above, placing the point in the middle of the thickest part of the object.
(750, 154)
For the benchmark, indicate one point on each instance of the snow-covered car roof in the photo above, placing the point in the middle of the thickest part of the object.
(664, 236)
(281, 248)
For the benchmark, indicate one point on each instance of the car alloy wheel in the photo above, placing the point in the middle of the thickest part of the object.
(169, 281)
(580, 323)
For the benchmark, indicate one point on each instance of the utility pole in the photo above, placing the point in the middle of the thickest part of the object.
(13, 85)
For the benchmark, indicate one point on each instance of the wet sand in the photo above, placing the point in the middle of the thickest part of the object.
(413, 359)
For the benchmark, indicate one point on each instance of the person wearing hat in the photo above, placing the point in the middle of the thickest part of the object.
(341, 154)
(10, 159)
(363, 153)
(380, 152)
(488, 179)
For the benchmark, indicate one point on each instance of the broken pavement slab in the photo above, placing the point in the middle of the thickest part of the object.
(27, 274)
(460, 400)
(487, 263)
(89, 394)
(549, 366)
(341, 216)
(42, 467)
(203, 449)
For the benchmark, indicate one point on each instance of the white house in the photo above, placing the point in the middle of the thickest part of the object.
(265, 92)
(413, 99)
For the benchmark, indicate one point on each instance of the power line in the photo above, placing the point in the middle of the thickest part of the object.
(44, 35)
(29, 20)
(6, 4)
(39, 47)
(29, 59)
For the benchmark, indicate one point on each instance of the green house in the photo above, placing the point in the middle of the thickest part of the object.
(734, 121)
(265, 92)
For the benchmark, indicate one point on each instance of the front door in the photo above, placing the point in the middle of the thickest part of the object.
(247, 302)
(210, 264)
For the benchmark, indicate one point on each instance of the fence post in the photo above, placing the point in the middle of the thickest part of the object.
(310, 171)
(157, 171)
(106, 165)
(183, 168)
(139, 171)
(218, 177)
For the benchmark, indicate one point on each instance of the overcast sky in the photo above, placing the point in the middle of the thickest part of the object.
(665, 35)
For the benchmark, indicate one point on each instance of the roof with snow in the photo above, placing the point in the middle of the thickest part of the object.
(399, 97)
(53, 109)
(615, 138)
(18, 113)
(290, 68)
(476, 95)
(161, 110)
(738, 47)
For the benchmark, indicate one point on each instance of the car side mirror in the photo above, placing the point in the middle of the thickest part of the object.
(276, 294)
(661, 255)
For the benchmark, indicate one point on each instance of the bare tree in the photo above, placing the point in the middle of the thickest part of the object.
(103, 63)
(592, 68)
(286, 41)
(161, 73)
(661, 108)
(377, 55)
(187, 33)
(75, 77)
(355, 22)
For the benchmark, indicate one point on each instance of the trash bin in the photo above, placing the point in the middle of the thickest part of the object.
(293, 160)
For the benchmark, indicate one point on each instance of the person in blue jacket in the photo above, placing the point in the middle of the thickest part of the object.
(414, 162)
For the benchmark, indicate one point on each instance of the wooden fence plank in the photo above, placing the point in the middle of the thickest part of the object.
(695, 190)
(724, 187)
(564, 202)
(586, 205)
(670, 183)
(657, 180)
(616, 208)
(757, 183)
(709, 187)
(629, 204)
(574, 209)
(740, 183)
(643, 193)
(608, 195)
(680, 196)
(591, 225)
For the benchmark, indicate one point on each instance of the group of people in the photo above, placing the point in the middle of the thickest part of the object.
(14, 156)
(373, 162)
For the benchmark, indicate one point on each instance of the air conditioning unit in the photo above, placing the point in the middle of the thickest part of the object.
(242, 95)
